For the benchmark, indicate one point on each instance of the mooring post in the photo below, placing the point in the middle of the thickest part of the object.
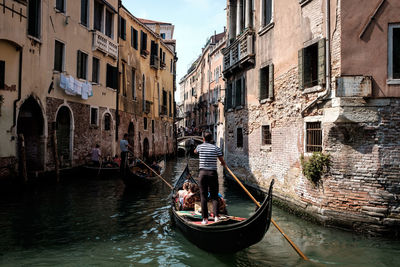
(22, 151)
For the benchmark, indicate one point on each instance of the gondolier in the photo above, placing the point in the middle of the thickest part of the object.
(124, 146)
(208, 155)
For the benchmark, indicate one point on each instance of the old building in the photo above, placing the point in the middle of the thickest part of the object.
(146, 99)
(202, 90)
(317, 75)
(54, 85)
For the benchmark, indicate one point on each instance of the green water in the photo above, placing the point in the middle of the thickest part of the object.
(97, 222)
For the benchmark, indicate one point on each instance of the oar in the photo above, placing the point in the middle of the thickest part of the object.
(155, 173)
(273, 222)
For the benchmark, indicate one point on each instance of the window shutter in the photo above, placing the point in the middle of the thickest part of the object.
(243, 91)
(321, 61)
(301, 68)
(2, 73)
(261, 84)
(78, 65)
(271, 82)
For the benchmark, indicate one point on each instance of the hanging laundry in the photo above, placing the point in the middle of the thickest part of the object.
(85, 90)
(77, 87)
(90, 90)
(63, 81)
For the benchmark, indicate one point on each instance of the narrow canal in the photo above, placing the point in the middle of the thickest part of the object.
(97, 222)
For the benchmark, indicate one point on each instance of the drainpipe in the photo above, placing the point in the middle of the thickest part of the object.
(19, 90)
(327, 91)
(118, 82)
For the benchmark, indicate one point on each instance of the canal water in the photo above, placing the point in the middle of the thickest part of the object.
(97, 222)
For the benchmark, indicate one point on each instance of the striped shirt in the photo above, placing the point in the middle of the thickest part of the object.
(208, 154)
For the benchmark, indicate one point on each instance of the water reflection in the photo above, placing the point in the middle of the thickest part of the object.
(85, 222)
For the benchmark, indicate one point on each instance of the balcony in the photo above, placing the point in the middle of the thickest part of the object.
(105, 44)
(239, 52)
(154, 62)
(147, 106)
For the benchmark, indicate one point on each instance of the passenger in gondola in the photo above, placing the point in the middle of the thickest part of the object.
(155, 167)
(96, 155)
(117, 160)
(180, 196)
(191, 198)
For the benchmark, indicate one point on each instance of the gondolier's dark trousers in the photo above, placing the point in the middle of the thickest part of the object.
(123, 162)
(208, 182)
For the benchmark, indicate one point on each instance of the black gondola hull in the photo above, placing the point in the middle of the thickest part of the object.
(229, 236)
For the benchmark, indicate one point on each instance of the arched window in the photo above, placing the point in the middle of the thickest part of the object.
(107, 122)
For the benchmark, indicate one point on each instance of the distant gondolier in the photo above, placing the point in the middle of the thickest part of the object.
(208, 155)
(124, 146)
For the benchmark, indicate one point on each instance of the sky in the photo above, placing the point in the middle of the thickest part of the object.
(195, 21)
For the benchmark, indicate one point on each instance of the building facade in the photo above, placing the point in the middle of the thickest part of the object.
(202, 91)
(306, 76)
(66, 69)
(146, 100)
(54, 86)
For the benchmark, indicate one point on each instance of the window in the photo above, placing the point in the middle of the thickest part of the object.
(58, 56)
(239, 137)
(266, 82)
(152, 126)
(112, 77)
(95, 70)
(34, 17)
(144, 92)
(143, 43)
(145, 123)
(107, 122)
(162, 36)
(394, 51)
(228, 98)
(2, 73)
(314, 137)
(81, 71)
(312, 65)
(238, 93)
(266, 135)
(170, 104)
(109, 24)
(266, 12)
(84, 12)
(133, 83)
(171, 66)
(60, 5)
(97, 15)
(122, 28)
(94, 115)
(123, 80)
(134, 38)
(164, 103)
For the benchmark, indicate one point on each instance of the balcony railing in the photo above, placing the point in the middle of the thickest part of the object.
(239, 51)
(154, 61)
(105, 44)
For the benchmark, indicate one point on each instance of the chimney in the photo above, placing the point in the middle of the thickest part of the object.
(157, 30)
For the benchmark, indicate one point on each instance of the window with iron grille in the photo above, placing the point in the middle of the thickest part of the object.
(81, 67)
(107, 122)
(313, 137)
(58, 56)
(239, 137)
(266, 135)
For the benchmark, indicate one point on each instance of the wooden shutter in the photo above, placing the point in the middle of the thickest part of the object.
(2, 73)
(301, 68)
(262, 84)
(271, 82)
(243, 94)
(321, 61)
(78, 65)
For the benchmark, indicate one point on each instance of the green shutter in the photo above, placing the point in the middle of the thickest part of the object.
(321, 61)
(78, 65)
(271, 82)
(243, 91)
(301, 68)
(262, 84)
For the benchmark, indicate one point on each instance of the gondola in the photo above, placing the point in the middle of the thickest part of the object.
(136, 176)
(231, 234)
(101, 171)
